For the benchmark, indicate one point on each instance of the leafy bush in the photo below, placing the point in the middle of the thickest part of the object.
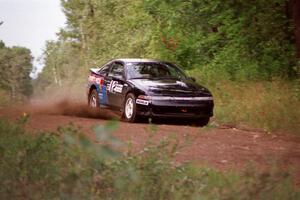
(67, 165)
(240, 39)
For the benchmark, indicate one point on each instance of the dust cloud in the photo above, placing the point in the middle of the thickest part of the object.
(69, 105)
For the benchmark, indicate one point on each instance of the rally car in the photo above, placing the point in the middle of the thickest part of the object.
(148, 88)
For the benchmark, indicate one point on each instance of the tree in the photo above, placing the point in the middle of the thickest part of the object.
(235, 39)
(15, 68)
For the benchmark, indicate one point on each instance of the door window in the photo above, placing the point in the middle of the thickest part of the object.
(117, 71)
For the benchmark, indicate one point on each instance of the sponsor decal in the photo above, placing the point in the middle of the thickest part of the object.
(114, 87)
(182, 84)
(142, 102)
(97, 80)
(92, 78)
(104, 99)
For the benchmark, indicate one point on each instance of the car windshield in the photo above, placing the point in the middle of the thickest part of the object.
(154, 70)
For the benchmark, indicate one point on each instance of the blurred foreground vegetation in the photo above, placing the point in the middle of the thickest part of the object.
(65, 164)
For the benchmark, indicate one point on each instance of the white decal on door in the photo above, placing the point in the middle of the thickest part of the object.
(114, 86)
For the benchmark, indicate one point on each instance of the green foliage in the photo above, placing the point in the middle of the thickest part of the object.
(15, 68)
(236, 40)
(62, 60)
(239, 39)
(224, 43)
(267, 105)
(67, 165)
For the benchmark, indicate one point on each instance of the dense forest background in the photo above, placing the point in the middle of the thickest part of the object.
(232, 40)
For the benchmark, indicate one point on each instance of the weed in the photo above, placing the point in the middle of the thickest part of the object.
(267, 105)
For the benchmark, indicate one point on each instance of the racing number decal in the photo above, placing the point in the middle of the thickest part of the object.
(114, 87)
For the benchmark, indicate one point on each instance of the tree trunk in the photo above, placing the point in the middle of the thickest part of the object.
(56, 77)
(296, 18)
(13, 92)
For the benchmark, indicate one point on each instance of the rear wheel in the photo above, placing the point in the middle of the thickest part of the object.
(94, 99)
(202, 121)
(130, 108)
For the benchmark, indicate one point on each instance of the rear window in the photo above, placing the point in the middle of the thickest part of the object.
(104, 70)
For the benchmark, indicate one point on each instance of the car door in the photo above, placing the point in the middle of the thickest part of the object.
(115, 87)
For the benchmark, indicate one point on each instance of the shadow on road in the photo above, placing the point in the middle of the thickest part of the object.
(166, 121)
(73, 108)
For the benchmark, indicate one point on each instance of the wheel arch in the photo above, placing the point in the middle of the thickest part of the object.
(92, 87)
(133, 91)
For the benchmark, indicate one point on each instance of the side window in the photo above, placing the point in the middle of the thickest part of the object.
(104, 70)
(117, 70)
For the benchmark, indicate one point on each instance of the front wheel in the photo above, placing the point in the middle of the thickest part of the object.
(130, 108)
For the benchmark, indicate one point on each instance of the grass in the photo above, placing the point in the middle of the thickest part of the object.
(66, 165)
(267, 105)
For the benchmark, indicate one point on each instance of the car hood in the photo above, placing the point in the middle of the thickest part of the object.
(171, 87)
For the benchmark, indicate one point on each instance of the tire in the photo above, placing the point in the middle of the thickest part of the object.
(94, 99)
(129, 113)
(202, 121)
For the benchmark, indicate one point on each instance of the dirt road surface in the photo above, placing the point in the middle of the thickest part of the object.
(221, 147)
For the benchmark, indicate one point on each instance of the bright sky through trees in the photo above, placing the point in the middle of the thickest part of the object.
(30, 23)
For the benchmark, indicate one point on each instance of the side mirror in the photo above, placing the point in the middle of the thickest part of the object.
(193, 79)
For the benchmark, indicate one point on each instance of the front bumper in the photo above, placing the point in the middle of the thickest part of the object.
(176, 109)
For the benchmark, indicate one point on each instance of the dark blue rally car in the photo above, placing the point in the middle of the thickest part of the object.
(149, 88)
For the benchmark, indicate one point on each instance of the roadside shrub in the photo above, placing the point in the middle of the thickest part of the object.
(266, 105)
(66, 164)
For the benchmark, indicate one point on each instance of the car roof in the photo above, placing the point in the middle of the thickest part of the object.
(128, 60)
